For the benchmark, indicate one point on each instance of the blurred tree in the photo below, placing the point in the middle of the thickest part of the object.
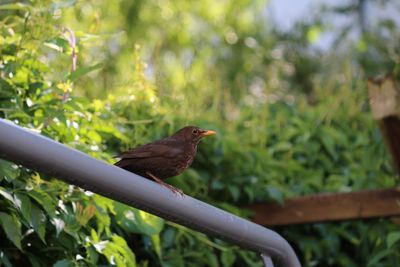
(376, 44)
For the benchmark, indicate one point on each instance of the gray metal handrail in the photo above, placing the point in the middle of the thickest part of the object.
(40, 153)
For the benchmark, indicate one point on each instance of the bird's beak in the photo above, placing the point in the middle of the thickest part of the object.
(206, 132)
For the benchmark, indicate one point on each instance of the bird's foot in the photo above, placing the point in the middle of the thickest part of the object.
(173, 189)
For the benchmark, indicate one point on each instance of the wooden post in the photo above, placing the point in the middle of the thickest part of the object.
(384, 96)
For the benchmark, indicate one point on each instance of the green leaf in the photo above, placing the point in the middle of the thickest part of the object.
(249, 262)
(44, 200)
(392, 238)
(93, 256)
(7, 170)
(217, 185)
(19, 115)
(4, 259)
(34, 260)
(16, 6)
(53, 46)
(94, 236)
(329, 144)
(6, 91)
(84, 70)
(362, 46)
(375, 261)
(104, 203)
(12, 228)
(227, 258)
(118, 253)
(63, 263)
(137, 221)
(38, 221)
(24, 205)
(235, 192)
(314, 33)
(155, 241)
(212, 260)
(281, 147)
(175, 259)
(103, 220)
(275, 194)
(6, 195)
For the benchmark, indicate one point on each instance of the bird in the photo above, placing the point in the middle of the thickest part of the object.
(164, 158)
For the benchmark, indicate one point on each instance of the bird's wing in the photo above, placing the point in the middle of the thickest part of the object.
(162, 148)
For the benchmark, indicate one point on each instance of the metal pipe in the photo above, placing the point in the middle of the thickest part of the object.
(45, 155)
(267, 260)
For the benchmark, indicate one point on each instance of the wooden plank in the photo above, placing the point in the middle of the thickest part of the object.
(329, 207)
(384, 98)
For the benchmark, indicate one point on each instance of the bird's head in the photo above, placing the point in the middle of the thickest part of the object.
(192, 134)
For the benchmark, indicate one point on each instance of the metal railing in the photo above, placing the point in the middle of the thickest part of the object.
(45, 155)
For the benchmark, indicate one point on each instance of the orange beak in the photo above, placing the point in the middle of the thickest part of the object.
(206, 132)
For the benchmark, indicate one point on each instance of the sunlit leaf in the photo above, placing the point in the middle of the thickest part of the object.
(137, 221)
(156, 243)
(313, 34)
(6, 195)
(58, 224)
(118, 253)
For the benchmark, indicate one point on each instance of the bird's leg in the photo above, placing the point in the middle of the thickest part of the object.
(161, 182)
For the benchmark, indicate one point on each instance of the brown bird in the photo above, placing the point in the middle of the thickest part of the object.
(166, 157)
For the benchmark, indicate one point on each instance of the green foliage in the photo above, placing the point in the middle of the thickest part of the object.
(391, 240)
(287, 125)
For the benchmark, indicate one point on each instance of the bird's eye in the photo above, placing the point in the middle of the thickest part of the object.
(195, 131)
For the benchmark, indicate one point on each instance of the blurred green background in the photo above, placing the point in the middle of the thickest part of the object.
(290, 107)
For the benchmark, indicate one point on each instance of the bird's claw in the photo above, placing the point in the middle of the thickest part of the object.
(175, 190)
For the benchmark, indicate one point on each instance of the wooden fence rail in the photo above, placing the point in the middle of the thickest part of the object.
(329, 207)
